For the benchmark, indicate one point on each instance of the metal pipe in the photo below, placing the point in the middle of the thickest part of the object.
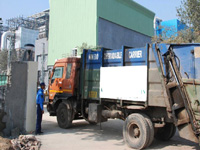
(43, 62)
(4, 46)
(111, 113)
(4, 37)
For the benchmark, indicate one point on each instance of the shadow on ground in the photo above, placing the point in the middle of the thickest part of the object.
(103, 132)
(108, 131)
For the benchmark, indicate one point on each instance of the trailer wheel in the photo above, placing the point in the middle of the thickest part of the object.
(64, 115)
(151, 129)
(165, 133)
(136, 131)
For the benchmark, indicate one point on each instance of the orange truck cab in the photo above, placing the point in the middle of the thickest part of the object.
(63, 82)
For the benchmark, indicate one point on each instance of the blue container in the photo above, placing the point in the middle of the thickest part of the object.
(113, 58)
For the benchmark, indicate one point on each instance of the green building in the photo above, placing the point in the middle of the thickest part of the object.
(106, 23)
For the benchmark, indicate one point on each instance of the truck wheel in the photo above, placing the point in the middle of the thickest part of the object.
(92, 123)
(165, 133)
(64, 115)
(151, 129)
(173, 131)
(136, 131)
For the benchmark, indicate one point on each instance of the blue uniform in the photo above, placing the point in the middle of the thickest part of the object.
(40, 98)
(39, 102)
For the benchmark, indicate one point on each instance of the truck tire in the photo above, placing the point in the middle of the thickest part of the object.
(165, 133)
(64, 115)
(173, 131)
(151, 129)
(136, 131)
(92, 123)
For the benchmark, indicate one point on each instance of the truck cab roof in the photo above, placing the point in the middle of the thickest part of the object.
(69, 60)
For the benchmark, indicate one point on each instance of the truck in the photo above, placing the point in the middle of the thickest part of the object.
(154, 89)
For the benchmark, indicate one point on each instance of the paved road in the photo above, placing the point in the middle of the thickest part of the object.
(90, 137)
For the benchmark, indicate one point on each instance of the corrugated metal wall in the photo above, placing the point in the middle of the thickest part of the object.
(128, 14)
(113, 36)
(25, 36)
(72, 22)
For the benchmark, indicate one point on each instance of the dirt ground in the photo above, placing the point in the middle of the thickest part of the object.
(5, 144)
(91, 137)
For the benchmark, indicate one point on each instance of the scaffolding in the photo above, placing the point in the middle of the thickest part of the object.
(2, 27)
(39, 21)
(43, 19)
(29, 23)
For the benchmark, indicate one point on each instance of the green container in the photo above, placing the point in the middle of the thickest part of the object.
(91, 84)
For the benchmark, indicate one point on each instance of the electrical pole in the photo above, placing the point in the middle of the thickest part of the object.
(43, 62)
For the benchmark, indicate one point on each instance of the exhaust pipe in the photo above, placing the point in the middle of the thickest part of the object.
(4, 37)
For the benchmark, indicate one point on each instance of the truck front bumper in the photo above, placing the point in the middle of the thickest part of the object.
(50, 109)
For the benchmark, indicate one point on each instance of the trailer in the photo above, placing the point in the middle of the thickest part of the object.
(154, 89)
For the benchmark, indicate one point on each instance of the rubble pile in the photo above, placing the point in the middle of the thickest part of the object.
(5, 144)
(26, 143)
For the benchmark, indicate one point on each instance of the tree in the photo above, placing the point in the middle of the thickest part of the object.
(86, 46)
(4, 59)
(189, 13)
(183, 36)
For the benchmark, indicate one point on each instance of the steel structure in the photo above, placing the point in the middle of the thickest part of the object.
(34, 22)
(42, 19)
(16, 22)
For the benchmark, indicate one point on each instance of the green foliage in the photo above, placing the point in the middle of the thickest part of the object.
(4, 59)
(189, 13)
(183, 36)
(86, 46)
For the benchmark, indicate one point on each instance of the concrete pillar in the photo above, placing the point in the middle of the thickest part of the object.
(20, 101)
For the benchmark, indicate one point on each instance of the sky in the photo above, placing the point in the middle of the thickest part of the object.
(164, 9)
(15, 8)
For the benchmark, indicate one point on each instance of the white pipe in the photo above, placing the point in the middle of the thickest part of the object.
(4, 39)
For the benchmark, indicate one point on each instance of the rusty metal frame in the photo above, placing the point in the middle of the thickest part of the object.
(184, 95)
(173, 68)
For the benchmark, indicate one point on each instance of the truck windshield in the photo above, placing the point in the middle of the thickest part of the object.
(58, 73)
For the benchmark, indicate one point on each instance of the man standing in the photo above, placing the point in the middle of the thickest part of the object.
(40, 110)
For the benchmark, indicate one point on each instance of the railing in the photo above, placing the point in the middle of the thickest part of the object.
(3, 88)
(3, 79)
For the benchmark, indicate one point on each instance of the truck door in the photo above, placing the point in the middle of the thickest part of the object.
(57, 73)
(68, 83)
(55, 81)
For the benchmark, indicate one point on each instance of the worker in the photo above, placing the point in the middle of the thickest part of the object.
(40, 110)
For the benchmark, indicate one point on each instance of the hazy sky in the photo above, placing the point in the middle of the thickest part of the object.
(14, 8)
(164, 9)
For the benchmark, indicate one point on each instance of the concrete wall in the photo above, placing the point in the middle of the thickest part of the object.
(113, 36)
(38, 58)
(20, 103)
(31, 90)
